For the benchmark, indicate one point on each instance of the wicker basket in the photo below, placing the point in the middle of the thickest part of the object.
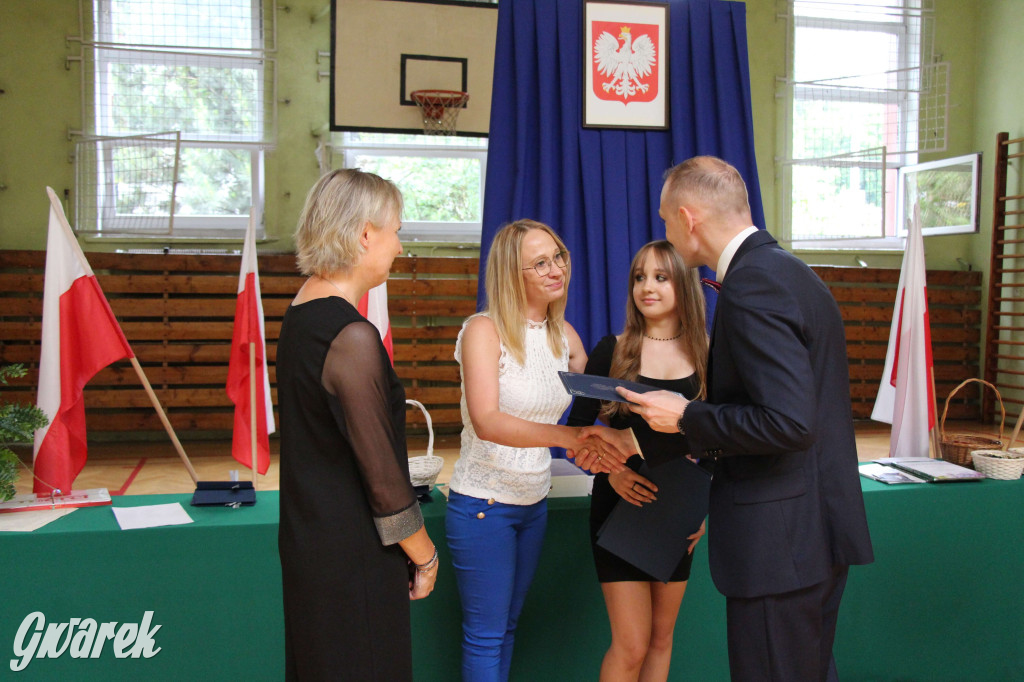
(423, 470)
(1005, 465)
(957, 447)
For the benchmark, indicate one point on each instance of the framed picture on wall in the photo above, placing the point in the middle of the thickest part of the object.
(947, 191)
(625, 65)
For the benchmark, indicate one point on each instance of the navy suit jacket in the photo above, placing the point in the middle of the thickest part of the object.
(786, 503)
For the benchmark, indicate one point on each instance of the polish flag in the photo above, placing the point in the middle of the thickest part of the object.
(906, 397)
(374, 307)
(80, 337)
(248, 330)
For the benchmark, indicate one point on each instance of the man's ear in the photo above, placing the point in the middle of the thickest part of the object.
(689, 216)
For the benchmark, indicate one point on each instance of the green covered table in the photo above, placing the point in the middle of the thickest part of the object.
(942, 602)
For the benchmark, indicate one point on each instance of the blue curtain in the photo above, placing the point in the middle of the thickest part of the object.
(600, 189)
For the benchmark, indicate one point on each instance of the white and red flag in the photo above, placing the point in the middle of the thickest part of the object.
(80, 337)
(374, 307)
(249, 333)
(906, 396)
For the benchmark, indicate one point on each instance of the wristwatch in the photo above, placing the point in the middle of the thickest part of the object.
(679, 422)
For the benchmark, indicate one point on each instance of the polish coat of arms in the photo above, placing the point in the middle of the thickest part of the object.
(625, 68)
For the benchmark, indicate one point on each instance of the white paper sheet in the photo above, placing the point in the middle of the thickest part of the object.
(151, 516)
(27, 521)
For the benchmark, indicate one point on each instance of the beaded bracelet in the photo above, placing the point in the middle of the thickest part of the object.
(425, 567)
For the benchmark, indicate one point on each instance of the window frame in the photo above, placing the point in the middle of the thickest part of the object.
(467, 232)
(102, 115)
(908, 32)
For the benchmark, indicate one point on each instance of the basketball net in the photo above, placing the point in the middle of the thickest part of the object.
(439, 109)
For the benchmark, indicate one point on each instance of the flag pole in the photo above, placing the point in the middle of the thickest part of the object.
(163, 418)
(1016, 430)
(934, 432)
(252, 407)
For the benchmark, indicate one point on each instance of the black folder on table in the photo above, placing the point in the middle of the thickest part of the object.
(224, 494)
(654, 537)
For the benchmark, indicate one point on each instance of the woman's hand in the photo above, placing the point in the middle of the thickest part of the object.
(603, 449)
(595, 456)
(632, 487)
(695, 538)
(422, 582)
(423, 568)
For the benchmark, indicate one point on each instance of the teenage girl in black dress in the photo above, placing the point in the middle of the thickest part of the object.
(664, 344)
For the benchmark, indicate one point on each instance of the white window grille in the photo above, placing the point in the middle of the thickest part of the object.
(199, 68)
(863, 98)
(441, 178)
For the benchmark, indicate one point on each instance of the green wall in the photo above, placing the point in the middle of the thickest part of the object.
(999, 104)
(40, 104)
(998, 107)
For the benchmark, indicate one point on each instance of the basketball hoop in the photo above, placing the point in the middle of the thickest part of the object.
(440, 109)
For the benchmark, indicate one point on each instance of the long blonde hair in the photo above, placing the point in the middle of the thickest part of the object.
(506, 292)
(689, 306)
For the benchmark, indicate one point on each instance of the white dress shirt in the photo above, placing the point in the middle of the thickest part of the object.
(730, 251)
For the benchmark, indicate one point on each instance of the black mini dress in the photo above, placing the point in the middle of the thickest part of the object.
(611, 568)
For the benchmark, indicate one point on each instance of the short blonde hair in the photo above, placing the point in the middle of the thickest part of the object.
(506, 292)
(337, 207)
(710, 182)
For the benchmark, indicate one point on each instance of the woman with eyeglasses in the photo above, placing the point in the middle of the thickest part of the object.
(510, 355)
(663, 344)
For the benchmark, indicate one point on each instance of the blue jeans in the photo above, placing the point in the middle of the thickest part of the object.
(495, 558)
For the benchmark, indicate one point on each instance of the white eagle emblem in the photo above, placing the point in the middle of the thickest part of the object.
(627, 64)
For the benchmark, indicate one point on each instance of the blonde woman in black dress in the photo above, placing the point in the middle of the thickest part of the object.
(353, 547)
(664, 344)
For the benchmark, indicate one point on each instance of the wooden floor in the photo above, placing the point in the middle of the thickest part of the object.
(153, 467)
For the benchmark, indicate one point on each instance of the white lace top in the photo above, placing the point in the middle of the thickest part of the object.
(533, 392)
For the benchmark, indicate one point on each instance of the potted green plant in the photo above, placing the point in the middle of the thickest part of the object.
(18, 422)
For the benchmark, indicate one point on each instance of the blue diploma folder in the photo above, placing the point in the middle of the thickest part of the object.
(602, 388)
(654, 537)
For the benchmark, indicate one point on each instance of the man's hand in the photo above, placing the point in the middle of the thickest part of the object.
(617, 447)
(660, 409)
(595, 456)
(602, 449)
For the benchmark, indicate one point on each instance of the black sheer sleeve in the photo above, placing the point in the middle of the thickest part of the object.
(599, 363)
(356, 373)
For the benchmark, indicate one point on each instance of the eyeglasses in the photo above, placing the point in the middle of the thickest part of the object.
(543, 266)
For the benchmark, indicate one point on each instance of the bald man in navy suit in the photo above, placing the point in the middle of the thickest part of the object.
(786, 516)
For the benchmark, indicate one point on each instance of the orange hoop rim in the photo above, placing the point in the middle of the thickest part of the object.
(438, 97)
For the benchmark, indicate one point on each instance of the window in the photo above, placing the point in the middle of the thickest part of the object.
(178, 100)
(441, 178)
(861, 104)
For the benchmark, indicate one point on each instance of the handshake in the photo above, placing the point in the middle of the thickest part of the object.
(601, 449)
